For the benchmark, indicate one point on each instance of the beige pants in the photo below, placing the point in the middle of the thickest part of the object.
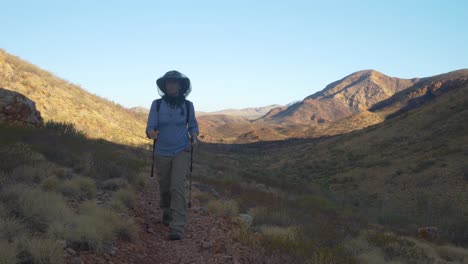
(172, 174)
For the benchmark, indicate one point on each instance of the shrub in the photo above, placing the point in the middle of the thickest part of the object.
(127, 229)
(64, 128)
(41, 207)
(84, 165)
(57, 230)
(277, 232)
(87, 186)
(4, 212)
(118, 206)
(313, 201)
(50, 183)
(14, 155)
(79, 188)
(27, 173)
(263, 215)
(9, 228)
(138, 181)
(93, 227)
(220, 207)
(8, 252)
(398, 248)
(113, 184)
(465, 172)
(70, 189)
(45, 250)
(89, 232)
(126, 196)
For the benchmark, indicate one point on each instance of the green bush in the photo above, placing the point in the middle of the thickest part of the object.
(64, 128)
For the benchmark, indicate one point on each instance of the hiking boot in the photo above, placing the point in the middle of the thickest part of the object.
(166, 219)
(174, 235)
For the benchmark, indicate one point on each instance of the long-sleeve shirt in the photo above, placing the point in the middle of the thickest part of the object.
(171, 124)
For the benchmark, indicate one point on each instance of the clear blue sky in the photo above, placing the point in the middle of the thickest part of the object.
(237, 53)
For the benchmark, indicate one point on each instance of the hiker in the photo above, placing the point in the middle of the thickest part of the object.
(172, 123)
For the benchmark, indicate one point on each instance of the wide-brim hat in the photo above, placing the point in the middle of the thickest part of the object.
(184, 81)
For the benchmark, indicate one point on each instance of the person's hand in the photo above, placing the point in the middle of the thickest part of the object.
(153, 134)
(194, 140)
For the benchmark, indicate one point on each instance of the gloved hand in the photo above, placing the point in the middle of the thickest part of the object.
(153, 134)
(194, 140)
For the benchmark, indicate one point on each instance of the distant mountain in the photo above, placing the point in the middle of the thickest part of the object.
(63, 101)
(352, 103)
(139, 109)
(250, 113)
(350, 95)
(423, 91)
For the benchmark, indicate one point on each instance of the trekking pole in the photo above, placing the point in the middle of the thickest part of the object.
(148, 192)
(190, 177)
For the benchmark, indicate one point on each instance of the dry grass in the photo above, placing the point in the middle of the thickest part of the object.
(126, 196)
(10, 228)
(79, 188)
(8, 252)
(47, 193)
(95, 226)
(374, 246)
(220, 207)
(45, 251)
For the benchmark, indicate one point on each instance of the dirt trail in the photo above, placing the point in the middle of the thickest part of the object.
(207, 240)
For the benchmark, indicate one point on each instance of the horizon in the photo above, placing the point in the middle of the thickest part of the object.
(255, 55)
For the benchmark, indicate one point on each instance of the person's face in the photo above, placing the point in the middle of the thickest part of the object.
(172, 87)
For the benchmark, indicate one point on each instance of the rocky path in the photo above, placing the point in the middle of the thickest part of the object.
(207, 241)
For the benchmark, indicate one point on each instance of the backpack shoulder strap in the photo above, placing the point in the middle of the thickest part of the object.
(158, 104)
(187, 108)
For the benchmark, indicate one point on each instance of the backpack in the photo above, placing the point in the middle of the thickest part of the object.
(187, 108)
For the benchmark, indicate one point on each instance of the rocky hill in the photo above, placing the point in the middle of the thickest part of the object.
(350, 95)
(63, 101)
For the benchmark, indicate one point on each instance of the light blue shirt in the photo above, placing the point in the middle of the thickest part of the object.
(171, 123)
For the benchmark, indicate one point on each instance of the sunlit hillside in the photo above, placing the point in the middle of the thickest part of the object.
(61, 100)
